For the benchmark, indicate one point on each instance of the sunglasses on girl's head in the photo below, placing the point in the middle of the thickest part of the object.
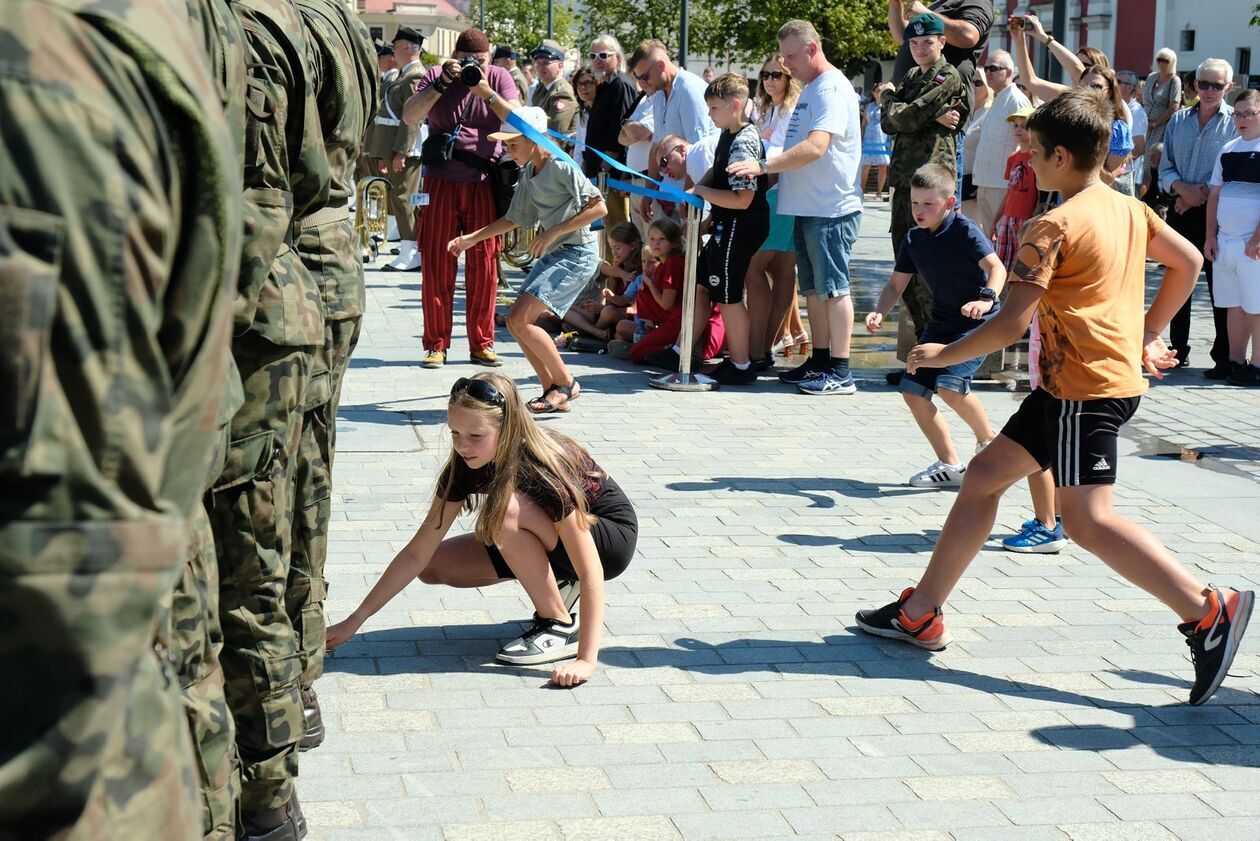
(600, 56)
(482, 391)
(771, 74)
(1161, 61)
(1209, 86)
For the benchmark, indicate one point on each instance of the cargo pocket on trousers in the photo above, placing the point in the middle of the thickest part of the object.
(31, 246)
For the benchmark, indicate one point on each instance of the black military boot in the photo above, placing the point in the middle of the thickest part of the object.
(314, 721)
(285, 823)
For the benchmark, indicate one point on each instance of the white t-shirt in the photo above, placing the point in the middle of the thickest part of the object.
(1238, 211)
(637, 153)
(826, 187)
(997, 139)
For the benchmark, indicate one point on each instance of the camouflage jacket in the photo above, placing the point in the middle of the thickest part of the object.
(910, 113)
(287, 176)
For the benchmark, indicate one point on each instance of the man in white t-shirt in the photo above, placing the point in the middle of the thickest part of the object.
(683, 164)
(997, 139)
(819, 186)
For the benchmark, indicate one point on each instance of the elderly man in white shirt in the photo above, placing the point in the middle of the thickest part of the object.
(997, 139)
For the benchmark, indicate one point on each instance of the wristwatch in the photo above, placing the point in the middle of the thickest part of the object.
(987, 294)
(491, 98)
(765, 167)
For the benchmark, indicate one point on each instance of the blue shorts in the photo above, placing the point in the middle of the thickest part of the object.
(780, 236)
(927, 381)
(823, 246)
(558, 277)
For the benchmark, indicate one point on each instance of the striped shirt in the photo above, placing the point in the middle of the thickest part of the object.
(1190, 153)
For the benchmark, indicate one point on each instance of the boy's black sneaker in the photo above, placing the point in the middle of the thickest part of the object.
(891, 622)
(807, 370)
(765, 363)
(667, 359)
(1221, 370)
(1247, 376)
(545, 641)
(1214, 639)
(728, 374)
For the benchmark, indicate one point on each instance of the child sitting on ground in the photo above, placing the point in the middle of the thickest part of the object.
(547, 515)
(658, 300)
(954, 258)
(628, 326)
(587, 314)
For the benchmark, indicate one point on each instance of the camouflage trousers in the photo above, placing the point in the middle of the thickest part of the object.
(93, 744)
(307, 588)
(192, 632)
(251, 513)
(917, 299)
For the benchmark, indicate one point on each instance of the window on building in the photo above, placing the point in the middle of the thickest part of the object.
(1187, 40)
(378, 33)
(1242, 62)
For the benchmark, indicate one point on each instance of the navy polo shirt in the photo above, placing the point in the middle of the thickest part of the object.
(948, 261)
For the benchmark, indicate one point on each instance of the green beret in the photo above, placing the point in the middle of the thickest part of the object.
(925, 24)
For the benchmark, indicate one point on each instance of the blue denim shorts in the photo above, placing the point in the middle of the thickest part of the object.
(558, 278)
(927, 381)
(823, 246)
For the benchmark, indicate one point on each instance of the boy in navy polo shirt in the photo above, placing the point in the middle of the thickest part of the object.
(955, 259)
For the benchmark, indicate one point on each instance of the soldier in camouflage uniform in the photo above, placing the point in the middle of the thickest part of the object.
(119, 241)
(278, 328)
(345, 82)
(912, 111)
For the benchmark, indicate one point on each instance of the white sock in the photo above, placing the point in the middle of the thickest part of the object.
(677, 350)
(742, 366)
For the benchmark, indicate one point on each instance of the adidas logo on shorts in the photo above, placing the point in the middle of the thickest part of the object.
(1101, 464)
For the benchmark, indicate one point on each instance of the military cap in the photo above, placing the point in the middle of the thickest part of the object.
(503, 51)
(406, 33)
(384, 49)
(548, 49)
(925, 24)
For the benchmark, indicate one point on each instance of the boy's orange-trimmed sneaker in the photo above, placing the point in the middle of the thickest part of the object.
(891, 622)
(1214, 639)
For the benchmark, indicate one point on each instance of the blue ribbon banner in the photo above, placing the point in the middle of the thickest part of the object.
(663, 191)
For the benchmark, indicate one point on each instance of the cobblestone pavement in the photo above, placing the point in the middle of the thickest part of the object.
(735, 699)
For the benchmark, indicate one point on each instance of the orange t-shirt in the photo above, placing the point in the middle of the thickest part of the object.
(1089, 254)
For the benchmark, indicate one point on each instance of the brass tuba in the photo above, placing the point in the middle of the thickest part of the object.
(516, 247)
(371, 212)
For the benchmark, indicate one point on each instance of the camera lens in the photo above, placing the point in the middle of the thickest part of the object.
(470, 72)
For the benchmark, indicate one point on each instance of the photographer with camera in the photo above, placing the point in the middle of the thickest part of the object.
(464, 100)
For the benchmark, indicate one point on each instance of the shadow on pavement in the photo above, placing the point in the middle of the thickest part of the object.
(810, 488)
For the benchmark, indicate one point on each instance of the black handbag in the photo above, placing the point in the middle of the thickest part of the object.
(439, 149)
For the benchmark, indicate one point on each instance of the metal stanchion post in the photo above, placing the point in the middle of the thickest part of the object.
(684, 380)
(601, 184)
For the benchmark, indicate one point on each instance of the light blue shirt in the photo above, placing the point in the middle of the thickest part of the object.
(684, 113)
(1190, 154)
(827, 187)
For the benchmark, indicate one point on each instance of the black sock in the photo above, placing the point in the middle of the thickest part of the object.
(839, 364)
(820, 356)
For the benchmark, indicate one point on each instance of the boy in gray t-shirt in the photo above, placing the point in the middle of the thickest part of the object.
(553, 195)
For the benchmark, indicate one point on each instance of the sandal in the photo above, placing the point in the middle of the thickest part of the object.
(543, 406)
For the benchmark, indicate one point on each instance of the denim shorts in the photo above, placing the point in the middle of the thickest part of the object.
(927, 381)
(558, 278)
(823, 246)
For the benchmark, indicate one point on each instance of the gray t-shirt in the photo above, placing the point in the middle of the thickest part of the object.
(552, 197)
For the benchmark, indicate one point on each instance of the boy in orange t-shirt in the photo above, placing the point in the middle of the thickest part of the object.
(1081, 268)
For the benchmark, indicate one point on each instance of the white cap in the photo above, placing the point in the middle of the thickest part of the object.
(532, 115)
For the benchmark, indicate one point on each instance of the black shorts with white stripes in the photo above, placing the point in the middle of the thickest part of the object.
(725, 258)
(1076, 439)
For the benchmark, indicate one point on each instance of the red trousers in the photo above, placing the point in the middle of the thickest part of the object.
(456, 208)
(666, 334)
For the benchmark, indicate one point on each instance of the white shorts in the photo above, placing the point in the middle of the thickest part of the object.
(1235, 276)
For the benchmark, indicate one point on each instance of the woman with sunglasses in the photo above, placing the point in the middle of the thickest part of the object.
(1161, 97)
(547, 516)
(584, 84)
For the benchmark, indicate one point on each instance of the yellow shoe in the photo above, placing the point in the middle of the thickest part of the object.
(433, 359)
(488, 358)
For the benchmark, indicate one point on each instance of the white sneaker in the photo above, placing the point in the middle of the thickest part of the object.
(545, 641)
(938, 474)
(980, 445)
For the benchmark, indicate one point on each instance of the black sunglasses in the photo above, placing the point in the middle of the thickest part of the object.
(771, 74)
(995, 68)
(977, 83)
(483, 391)
(645, 76)
(1209, 86)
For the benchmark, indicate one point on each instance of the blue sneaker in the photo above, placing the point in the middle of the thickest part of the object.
(1035, 539)
(828, 382)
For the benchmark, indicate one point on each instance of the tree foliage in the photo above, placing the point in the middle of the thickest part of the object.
(745, 30)
(523, 23)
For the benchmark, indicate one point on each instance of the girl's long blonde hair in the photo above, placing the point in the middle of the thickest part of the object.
(524, 452)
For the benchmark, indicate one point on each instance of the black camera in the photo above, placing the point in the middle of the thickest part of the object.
(470, 71)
